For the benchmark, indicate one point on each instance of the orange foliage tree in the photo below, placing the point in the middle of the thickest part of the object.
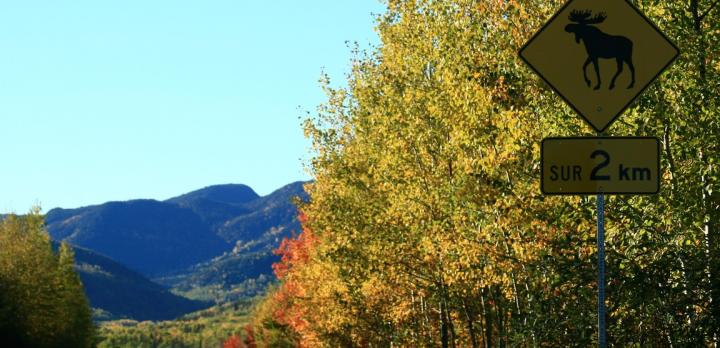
(294, 254)
(233, 342)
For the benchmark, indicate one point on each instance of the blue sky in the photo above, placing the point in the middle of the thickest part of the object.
(115, 100)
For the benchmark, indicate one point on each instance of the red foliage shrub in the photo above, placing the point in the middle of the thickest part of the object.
(294, 252)
(250, 337)
(233, 342)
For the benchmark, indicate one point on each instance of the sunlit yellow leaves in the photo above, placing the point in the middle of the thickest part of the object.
(426, 192)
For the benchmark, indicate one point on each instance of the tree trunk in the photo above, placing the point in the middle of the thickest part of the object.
(451, 326)
(443, 327)
(488, 319)
(470, 319)
(500, 312)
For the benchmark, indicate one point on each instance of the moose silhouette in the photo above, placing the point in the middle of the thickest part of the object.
(600, 45)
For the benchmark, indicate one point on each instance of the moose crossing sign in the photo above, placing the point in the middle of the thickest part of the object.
(599, 56)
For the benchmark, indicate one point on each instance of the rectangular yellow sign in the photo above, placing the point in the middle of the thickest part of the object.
(610, 165)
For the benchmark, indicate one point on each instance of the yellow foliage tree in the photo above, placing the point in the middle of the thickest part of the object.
(430, 223)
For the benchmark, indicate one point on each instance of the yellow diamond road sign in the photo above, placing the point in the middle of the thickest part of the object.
(599, 56)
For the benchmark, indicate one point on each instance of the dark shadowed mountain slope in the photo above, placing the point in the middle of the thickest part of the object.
(119, 292)
(148, 236)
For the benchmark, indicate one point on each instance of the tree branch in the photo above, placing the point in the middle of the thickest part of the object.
(707, 12)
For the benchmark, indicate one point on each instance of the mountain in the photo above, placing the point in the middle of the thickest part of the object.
(114, 291)
(248, 217)
(217, 237)
(256, 232)
(270, 218)
(229, 193)
(148, 236)
(216, 204)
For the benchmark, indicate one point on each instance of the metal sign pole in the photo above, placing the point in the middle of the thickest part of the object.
(601, 268)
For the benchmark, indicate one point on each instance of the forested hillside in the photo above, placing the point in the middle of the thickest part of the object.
(138, 259)
(170, 238)
(115, 292)
(207, 328)
(148, 236)
(43, 303)
(426, 225)
(246, 270)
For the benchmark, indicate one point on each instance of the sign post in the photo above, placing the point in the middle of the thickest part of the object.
(601, 268)
(625, 52)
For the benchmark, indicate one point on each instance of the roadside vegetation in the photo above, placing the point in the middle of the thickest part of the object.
(42, 302)
(426, 225)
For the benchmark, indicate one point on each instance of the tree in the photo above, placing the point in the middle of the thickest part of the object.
(77, 309)
(43, 302)
(429, 228)
(233, 341)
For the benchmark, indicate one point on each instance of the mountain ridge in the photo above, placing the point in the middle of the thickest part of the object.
(147, 235)
(223, 193)
(217, 237)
